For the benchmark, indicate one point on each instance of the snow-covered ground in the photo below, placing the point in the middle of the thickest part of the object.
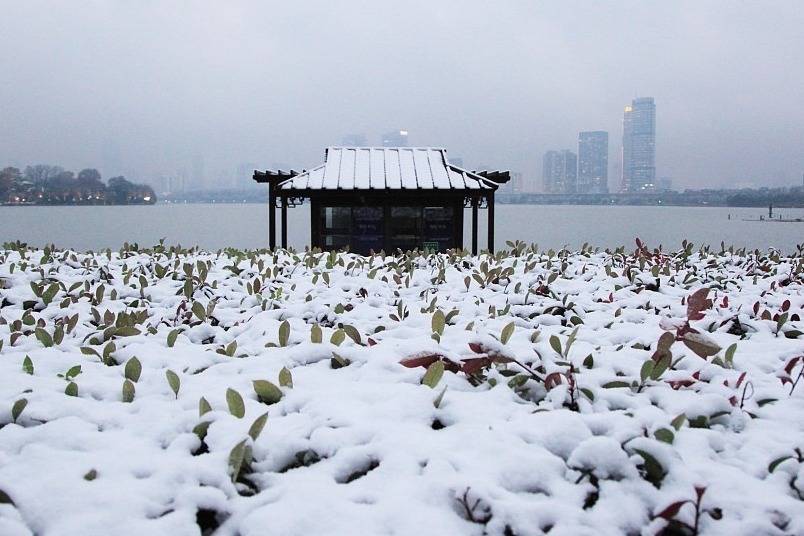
(177, 392)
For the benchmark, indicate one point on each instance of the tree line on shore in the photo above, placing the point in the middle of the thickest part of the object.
(53, 185)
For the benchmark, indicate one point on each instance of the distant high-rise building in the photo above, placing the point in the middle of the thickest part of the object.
(593, 162)
(354, 140)
(560, 172)
(398, 138)
(639, 146)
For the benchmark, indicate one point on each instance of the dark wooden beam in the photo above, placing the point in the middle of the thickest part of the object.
(475, 206)
(490, 218)
(284, 222)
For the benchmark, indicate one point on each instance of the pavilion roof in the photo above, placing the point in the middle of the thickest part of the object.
(390, 168)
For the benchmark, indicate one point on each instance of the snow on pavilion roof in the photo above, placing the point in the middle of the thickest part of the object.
(387, 168)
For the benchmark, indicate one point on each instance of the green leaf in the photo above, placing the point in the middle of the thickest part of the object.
(231, 348)
(285, 378)
(589, 361)
(44, 337)
(199, 311)
(235, 402)
(570, 340)
(236, 457)
(555, 344)
(588, 393)
(256, 428)
(778, 461)
(284, 333)
(91, 475)
(175, 383)
(678, 422)
(338, 361)
(434, 373)
(5, 499)
(17, 408)
(171, 338)
(440, 398)
(353, 334)
(665, 435)
(72, 372)
(203, 406)
(702, 346)
(316, 334)
(71, 389)
(338, 337)
(27, 365)
(200, 429)
(267, 392)
(128, 390)
(646, 370)
(615, 385)
(133, 369)
(655, 473)
(438, 322)
(660, 366)
(507, 331)
(108, 350)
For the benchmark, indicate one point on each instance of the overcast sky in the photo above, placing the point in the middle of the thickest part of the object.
(149, 87)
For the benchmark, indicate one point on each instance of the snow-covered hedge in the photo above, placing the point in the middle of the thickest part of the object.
(174, 391)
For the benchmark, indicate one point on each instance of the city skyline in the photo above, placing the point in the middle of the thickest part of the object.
(140, 89)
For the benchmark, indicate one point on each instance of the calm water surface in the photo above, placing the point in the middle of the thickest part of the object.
(245, 226)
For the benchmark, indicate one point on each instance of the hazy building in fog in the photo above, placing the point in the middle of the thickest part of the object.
(593, 162)
(639, 146)
(354, 140)
(560, 172)
(397, 138)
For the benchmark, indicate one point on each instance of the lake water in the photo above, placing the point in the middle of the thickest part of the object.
(245, 226)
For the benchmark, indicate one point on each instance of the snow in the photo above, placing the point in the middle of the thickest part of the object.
(358, 444)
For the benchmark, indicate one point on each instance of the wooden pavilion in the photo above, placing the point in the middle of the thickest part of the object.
(388, 198)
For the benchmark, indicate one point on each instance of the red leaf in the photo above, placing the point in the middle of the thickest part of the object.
(756, 308)
(785, 305)
(740, 380)
(371, 342)
(475, 347)
(474, 364)
(551, 380)
(671, 511)
(791, 365)
(420, 361)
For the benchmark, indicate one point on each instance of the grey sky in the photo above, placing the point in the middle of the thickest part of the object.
(142, 88)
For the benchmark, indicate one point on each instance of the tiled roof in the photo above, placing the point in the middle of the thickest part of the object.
(387, 168)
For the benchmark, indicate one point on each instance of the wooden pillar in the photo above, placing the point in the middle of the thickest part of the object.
(475, 203)
(284, 222)
(490, 202)
(271, 215)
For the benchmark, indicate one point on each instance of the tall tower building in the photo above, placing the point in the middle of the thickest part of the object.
(398, 138)
(560, 172)
(639, 146)
(593, 162)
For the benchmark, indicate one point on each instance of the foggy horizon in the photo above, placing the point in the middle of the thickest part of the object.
(152, 89)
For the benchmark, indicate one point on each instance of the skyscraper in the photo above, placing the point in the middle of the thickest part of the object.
(559, 172)
(398, 138)
(593, 162)
(639, 146)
